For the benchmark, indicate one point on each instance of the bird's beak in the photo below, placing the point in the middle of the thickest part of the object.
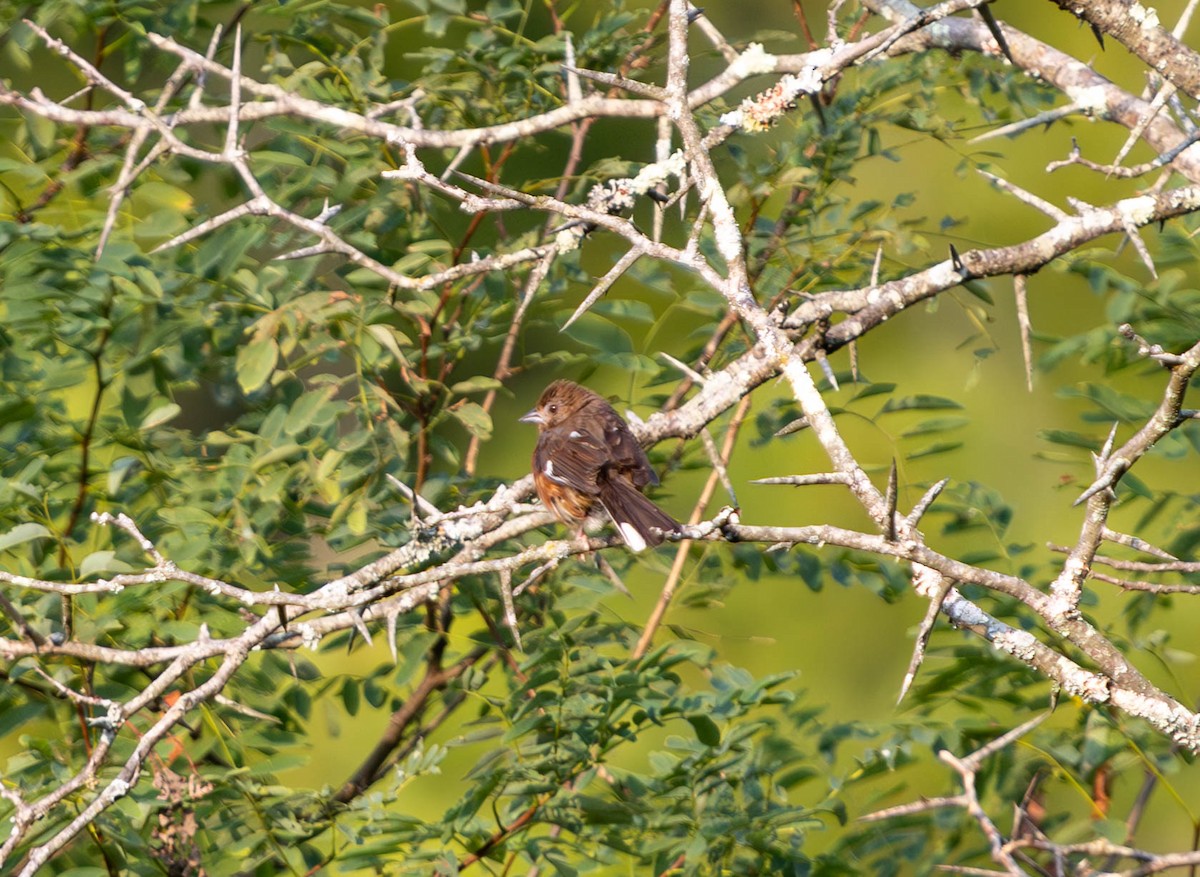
(532, 416)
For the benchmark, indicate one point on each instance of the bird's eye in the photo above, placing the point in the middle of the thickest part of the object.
(553, 408)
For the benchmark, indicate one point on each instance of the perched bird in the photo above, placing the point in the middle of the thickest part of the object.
(586, 454)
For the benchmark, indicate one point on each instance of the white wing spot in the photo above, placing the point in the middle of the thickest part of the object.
(549, 470)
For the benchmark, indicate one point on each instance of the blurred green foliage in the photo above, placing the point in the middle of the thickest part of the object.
(246, 410)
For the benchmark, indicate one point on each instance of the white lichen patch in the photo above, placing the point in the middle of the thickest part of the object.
(652, 175)
(1091, 100)
(1137, 211)
(618, 196)
(1146, 17)
(309, 636)
(755, 59)
(760, 112)
(926, 582)
(1018, 643)
(733, 118)
(568, 239)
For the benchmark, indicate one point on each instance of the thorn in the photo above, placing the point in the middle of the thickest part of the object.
(875, 265)
(923, 504)
(1105, 482)
(360, 625)
(694, 375)
(574, 223)
(890, 497)
(923, 634)
(1106, 451)
(510, 611)
(1026, 327)
(1099, 35)
(795, 426)
(611, 575)
(392, 616)
(957, 263)
(827, 370)
(985, 12)
(328, 211)
(419, 503)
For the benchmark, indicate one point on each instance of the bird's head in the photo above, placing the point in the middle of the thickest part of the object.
(558, 401)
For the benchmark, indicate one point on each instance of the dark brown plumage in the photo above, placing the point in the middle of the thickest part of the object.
(586, 454)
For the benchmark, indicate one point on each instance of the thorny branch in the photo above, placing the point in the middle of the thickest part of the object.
(445, 548)
(1015, 852)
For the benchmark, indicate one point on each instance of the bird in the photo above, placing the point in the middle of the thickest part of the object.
(585, 454)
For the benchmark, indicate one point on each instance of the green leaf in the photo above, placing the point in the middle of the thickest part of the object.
(277, 159)
(160, 415)
(874, 390)
(706, 729)
(391, 338)
(602, 334)
(121, 469)
(920, 402)
(278, 454)
(1071, 439)
(433, 246)
(934, 450)
(255, 363)
(477, 421)
(978, 290)
(102, 562)
(351, 696)
(356, 519)
(935, 425)
(311, 409)
(23, 533)
(475, 385)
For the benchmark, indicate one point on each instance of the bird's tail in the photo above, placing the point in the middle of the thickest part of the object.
(638, 519)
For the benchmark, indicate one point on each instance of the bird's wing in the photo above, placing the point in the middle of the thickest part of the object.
(626, 455)
(571, 457)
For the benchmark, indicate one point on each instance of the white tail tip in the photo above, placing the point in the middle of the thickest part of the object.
(631, 536)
